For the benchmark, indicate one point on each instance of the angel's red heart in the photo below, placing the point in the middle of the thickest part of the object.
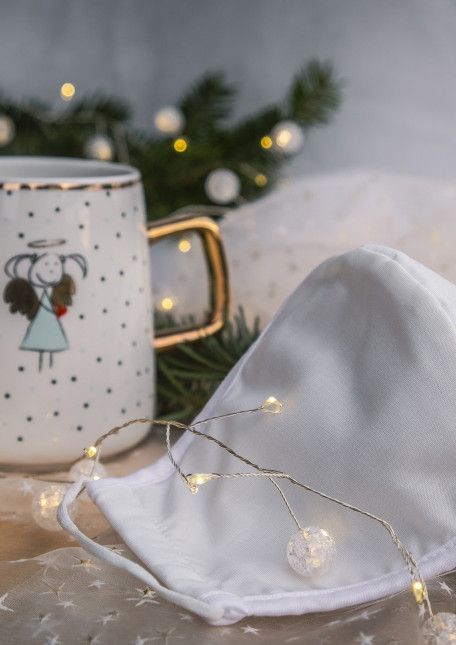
(60, 310)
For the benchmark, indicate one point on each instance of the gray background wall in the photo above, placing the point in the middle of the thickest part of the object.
(398, 60)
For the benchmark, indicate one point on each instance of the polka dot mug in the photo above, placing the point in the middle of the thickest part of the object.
(76, 312)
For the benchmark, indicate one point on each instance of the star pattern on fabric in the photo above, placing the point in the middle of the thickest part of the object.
(48, 561)
(444, 587)
(334, 622)
(66, 603)
(26, 487)
(166, 635)
(365, 639)
(364, 615)
(3, 607)
(140, 640)
(45, 625)
(53, 590)
(108, 618)
(53, 640)
(186, 618)
(85, 563)
(250, 630)
(97, 584)
(146, 596)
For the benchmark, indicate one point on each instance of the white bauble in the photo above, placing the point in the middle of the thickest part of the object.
(222, 186)
(84, 467)
(440, 629)
(169, 120)
(7, 130)
(99, 147)
(45, 505)
(311, 551)
(288, 137)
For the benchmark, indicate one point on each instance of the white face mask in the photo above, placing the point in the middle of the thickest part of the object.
(363, 357)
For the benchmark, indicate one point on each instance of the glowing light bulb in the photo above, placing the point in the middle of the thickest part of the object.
(198, 479)
(272, 405)
(261, 180)
(67, 91)
(180, 144)
(90, 452)
(167, 303)
(184, 245)
(7, 130)
(283, 138)
(99, 147)
(266, 142)
(169, 120)
(288, 137)
(222, 186)
(418, 591)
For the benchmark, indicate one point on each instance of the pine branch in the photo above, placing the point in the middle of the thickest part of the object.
(207, 104)
(188, 375)
(172, 180)
(314, 95)
(101, 105)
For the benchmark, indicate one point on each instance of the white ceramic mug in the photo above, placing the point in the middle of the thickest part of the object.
(76, 315)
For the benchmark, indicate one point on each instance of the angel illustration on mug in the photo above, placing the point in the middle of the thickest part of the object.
(41, 289)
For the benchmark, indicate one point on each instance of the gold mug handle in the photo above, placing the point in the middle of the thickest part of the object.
(210, 235)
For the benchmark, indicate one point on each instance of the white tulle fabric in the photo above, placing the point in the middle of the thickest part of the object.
(363, 357)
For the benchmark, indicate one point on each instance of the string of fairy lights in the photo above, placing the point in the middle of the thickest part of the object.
(311, 551)
(222, 185)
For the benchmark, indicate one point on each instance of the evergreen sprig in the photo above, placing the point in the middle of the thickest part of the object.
(314, 95)
(188, 375)
(174, 180)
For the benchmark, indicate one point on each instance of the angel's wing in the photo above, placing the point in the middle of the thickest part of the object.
(62, 293)
(21, 297)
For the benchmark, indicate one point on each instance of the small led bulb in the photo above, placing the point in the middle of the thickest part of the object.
(198, 479)
(418, 591)
(90, 452)
(272, 405)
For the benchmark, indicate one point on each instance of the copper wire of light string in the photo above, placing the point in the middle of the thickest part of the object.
(409, 559)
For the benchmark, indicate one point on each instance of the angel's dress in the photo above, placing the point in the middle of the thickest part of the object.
(45, 333)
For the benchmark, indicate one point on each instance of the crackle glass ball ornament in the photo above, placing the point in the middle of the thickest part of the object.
(45, 505)
(440, 629)
(99, 147)
(288, 137)
(169, 120)
(86, 467)
(311, 551)
(222, 186)
(7, 130)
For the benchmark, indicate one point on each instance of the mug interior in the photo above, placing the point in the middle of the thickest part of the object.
(64, 170)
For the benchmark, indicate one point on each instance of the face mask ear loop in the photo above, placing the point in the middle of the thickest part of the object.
(209, 612)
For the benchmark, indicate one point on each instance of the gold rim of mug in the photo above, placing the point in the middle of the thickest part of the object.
(10, 187)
